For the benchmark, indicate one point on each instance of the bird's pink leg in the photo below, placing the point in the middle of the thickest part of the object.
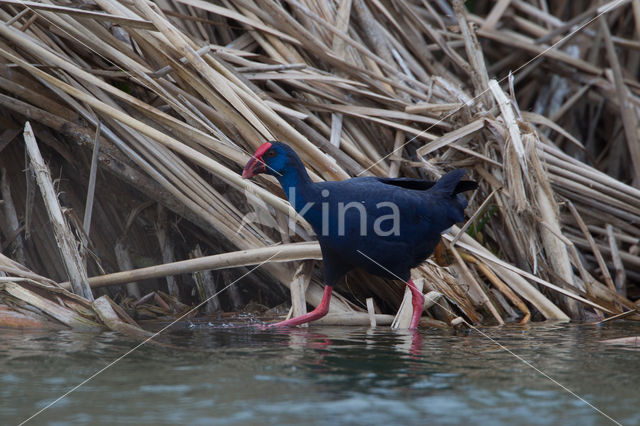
(320, 311)
(417, 300)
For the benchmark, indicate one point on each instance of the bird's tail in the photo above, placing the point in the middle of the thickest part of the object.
(450, 186)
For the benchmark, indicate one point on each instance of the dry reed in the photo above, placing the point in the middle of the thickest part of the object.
(137, 103)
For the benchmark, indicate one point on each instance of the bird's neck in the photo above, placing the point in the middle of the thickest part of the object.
(297, 184)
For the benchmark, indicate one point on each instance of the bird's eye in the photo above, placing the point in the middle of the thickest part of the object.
(271, 153)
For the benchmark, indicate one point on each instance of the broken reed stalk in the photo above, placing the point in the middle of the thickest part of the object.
(88, 210)
(65, 239)
(205, 283)
(64, 315)
(104, 309)
(499, 284)
(281, 253)
(167, 249)
(298, 288)
(11, 217)
(402, 319)
(123, 257)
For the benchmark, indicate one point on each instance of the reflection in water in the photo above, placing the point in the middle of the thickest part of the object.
(320, 375)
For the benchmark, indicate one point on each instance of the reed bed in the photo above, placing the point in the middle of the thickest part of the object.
(146, 112)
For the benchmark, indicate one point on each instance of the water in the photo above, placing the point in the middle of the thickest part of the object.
(324, 376)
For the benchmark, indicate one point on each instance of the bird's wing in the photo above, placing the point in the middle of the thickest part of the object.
(423, 185)
(407, 183)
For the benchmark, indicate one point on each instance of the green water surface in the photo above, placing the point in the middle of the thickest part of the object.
(209, 374)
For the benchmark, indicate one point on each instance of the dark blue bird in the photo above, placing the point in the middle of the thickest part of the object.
(382, 225)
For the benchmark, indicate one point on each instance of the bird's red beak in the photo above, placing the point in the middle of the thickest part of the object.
(255, 165)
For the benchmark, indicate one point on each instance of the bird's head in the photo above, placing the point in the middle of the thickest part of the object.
(272, 158)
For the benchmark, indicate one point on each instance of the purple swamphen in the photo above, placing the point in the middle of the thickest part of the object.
(384, 226)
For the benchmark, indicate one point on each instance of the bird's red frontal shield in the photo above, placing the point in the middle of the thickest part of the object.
(255, 165)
